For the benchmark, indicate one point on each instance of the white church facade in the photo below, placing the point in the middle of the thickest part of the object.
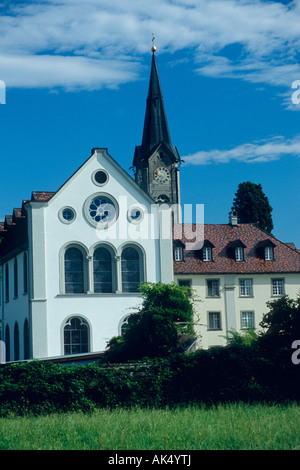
(72, 259)
(69, 286)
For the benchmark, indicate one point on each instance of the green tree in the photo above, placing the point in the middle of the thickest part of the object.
(161, 326)
(281, 326)
(252, 206)
(246, 338)
(282, 322)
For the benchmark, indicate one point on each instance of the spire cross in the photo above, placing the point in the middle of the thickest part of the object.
(153, 45)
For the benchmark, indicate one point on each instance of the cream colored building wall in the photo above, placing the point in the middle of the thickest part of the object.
(230, 304)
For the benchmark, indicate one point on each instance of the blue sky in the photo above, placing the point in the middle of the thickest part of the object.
(77, 73)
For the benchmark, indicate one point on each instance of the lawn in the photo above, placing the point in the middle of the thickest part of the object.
(222, 427)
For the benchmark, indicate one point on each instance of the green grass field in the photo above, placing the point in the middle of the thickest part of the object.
(223, 427)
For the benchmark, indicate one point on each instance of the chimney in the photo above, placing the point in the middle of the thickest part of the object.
(233, 218)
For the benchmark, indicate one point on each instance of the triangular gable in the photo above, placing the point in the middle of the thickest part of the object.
(121, 171)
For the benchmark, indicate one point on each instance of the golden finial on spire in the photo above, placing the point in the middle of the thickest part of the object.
(153, 49)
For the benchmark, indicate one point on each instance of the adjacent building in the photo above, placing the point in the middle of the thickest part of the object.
(236, 272)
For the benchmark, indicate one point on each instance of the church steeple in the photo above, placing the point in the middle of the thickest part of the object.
(156, 159)
(155, 126)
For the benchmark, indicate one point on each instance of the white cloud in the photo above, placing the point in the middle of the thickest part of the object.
(62, 71)
(257, 152)
(111, 35)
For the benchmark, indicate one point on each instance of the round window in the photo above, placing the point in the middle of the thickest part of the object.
(100, 177)
(67, 215)
(101, 210)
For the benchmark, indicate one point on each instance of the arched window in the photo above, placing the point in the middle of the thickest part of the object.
(16, 342)
(15, 278)
(25, 273)
(125, 325)
(102, 262)
(74, 271)
(131, 269)
(76, 336)
(26, 339)
(6, 283)
(7, 344)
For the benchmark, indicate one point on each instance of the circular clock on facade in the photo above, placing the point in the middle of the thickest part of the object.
(161, 175)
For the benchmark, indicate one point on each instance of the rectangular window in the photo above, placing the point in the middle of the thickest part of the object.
(186, 283)
(206, 253)
(269, 253)
(178, 253)
(214, 320)
(247, 320)
(213, 288)
(239, 253)
(245, 287)
(277, 286)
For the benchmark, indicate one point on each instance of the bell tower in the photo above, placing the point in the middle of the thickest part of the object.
(156, 161)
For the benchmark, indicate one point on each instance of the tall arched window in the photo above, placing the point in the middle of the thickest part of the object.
(7, 344)
(26, 339)
(25, 273)
(16, 342)
(102, 263)
(131, 269)
(74, 271)
(16, 278)
(76, 336)
(6, 283)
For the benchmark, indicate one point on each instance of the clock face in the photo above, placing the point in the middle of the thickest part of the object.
(161, 175)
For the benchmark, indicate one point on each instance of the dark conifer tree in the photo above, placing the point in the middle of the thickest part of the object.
(252, 206)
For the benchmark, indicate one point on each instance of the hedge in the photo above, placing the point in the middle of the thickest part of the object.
(212, 376)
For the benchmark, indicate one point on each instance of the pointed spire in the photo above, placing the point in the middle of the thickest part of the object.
(156, 130)
(155, 126)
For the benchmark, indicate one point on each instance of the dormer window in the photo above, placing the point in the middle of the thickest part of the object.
(235, 250)
(178, 252)
(178, 256)
(265, 250)
(206, 253)
(239, 253)
(269, 253)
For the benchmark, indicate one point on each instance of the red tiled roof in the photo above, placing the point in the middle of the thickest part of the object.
(8, 220)
(17, 212)
(13, 231)
(42, 196)
(286, 258)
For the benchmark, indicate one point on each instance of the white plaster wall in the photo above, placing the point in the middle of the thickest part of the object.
(262, 293)
(16, 310)
(103, 312)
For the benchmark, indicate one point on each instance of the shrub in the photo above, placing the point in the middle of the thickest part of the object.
(238, 372)
(162, 326)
